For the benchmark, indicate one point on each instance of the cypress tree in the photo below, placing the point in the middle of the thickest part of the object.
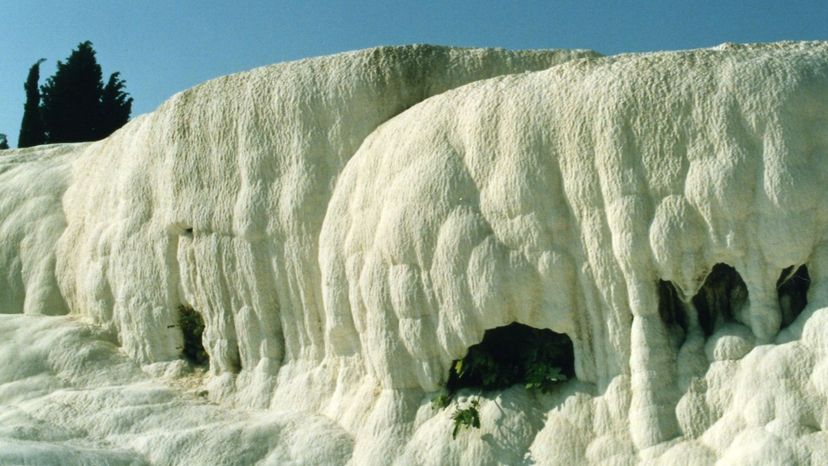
(31, 128)
(116, 105)
(71, 98)
(77, 106)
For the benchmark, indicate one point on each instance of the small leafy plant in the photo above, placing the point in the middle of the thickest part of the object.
(543, 377)
(468, 417)
(441, 400)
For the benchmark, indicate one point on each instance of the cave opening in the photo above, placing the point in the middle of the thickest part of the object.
(720, 298)
(672, 312)
(192, 329)
(514, 354)
(792, 290)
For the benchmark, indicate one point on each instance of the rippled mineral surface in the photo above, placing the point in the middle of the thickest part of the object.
(345, 228)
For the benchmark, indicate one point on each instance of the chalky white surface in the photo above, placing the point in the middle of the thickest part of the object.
(349, 225)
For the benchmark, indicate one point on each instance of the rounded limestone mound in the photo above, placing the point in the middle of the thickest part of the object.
(558, 199)
(343, 230)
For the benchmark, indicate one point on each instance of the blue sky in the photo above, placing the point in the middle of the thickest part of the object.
(162, 47)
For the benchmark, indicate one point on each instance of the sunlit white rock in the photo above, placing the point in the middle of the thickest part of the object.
(349, 225)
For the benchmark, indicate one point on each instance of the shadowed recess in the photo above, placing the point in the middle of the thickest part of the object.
(720, 298)
(672, 312)
(514, 354)
(792, 288)
(192, 328)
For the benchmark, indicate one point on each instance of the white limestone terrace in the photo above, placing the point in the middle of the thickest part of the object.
(349, 225)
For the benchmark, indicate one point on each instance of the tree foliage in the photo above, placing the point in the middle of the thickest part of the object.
(31, 128)
(116, 105)
(77, 106)
(4, 143)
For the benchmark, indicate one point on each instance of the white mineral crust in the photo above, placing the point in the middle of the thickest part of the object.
(350, 225)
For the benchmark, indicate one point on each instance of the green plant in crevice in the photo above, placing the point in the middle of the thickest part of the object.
(514, 355)
(468, 417)
(481, 365)
(192, 328)
(441, 400)
(541, 363)
(542, 376)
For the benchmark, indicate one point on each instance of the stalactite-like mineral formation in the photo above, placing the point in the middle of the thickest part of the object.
(338, 232)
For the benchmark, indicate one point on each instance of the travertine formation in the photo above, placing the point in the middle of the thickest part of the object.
(349, 225)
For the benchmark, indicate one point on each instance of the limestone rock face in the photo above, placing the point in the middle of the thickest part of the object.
(349, 225)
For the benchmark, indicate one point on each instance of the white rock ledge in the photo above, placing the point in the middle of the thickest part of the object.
(349, 225)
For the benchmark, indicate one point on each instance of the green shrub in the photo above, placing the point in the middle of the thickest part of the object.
(441, 400)
(466, 417)
(542, 376)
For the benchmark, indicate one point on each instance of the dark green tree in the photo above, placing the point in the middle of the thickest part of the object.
(71, 98)
(77, 106)
(31, 128)
(116, 105)
(4, 144)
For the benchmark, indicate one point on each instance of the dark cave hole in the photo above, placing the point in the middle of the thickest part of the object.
(792, 288)
(192, 329)
(672, 311)
(720, 297)
(514, 354)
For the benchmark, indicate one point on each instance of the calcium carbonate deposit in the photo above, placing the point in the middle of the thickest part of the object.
(347, 227)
